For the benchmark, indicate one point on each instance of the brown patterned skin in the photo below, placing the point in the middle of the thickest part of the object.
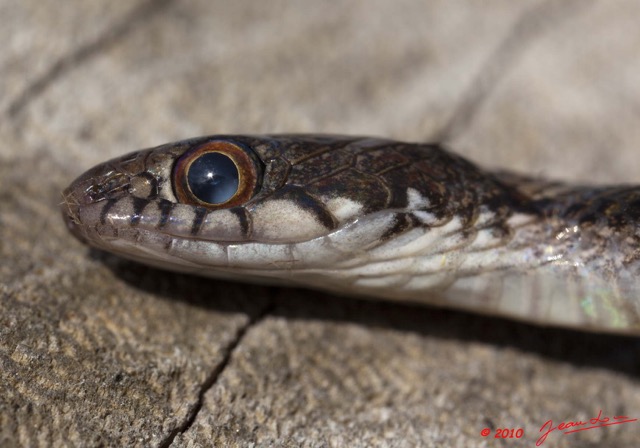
(505, 225)
(374, 172)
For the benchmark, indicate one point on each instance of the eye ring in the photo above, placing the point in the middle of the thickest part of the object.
(207, 175)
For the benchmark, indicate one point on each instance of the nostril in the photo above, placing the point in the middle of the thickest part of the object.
(98, 184)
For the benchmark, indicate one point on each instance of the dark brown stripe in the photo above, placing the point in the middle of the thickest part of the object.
(307, 202)
(402, 223)
(165, 208)
(198, 219)
(105, 210)
(245, 220)
(153, 181)
(139, 205)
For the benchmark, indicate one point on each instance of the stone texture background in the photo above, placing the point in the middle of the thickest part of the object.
(97, 351)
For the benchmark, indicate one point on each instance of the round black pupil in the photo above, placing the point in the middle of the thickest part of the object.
(213, 178)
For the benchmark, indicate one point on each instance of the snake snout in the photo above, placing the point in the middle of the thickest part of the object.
(87, 195)
(70, 208)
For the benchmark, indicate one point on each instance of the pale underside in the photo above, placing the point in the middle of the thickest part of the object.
(440, 263)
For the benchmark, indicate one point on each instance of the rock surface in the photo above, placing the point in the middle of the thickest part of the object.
(97, 351)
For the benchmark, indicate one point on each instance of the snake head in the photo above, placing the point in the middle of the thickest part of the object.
(366, 216)
(304, 208)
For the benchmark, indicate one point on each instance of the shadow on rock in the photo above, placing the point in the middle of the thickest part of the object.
(610, 352)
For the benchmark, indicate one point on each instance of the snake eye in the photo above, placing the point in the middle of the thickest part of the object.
(215, 175)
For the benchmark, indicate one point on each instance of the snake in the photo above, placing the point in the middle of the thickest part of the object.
(371, 217)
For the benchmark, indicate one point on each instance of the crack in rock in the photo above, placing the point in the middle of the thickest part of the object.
(212, 379)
